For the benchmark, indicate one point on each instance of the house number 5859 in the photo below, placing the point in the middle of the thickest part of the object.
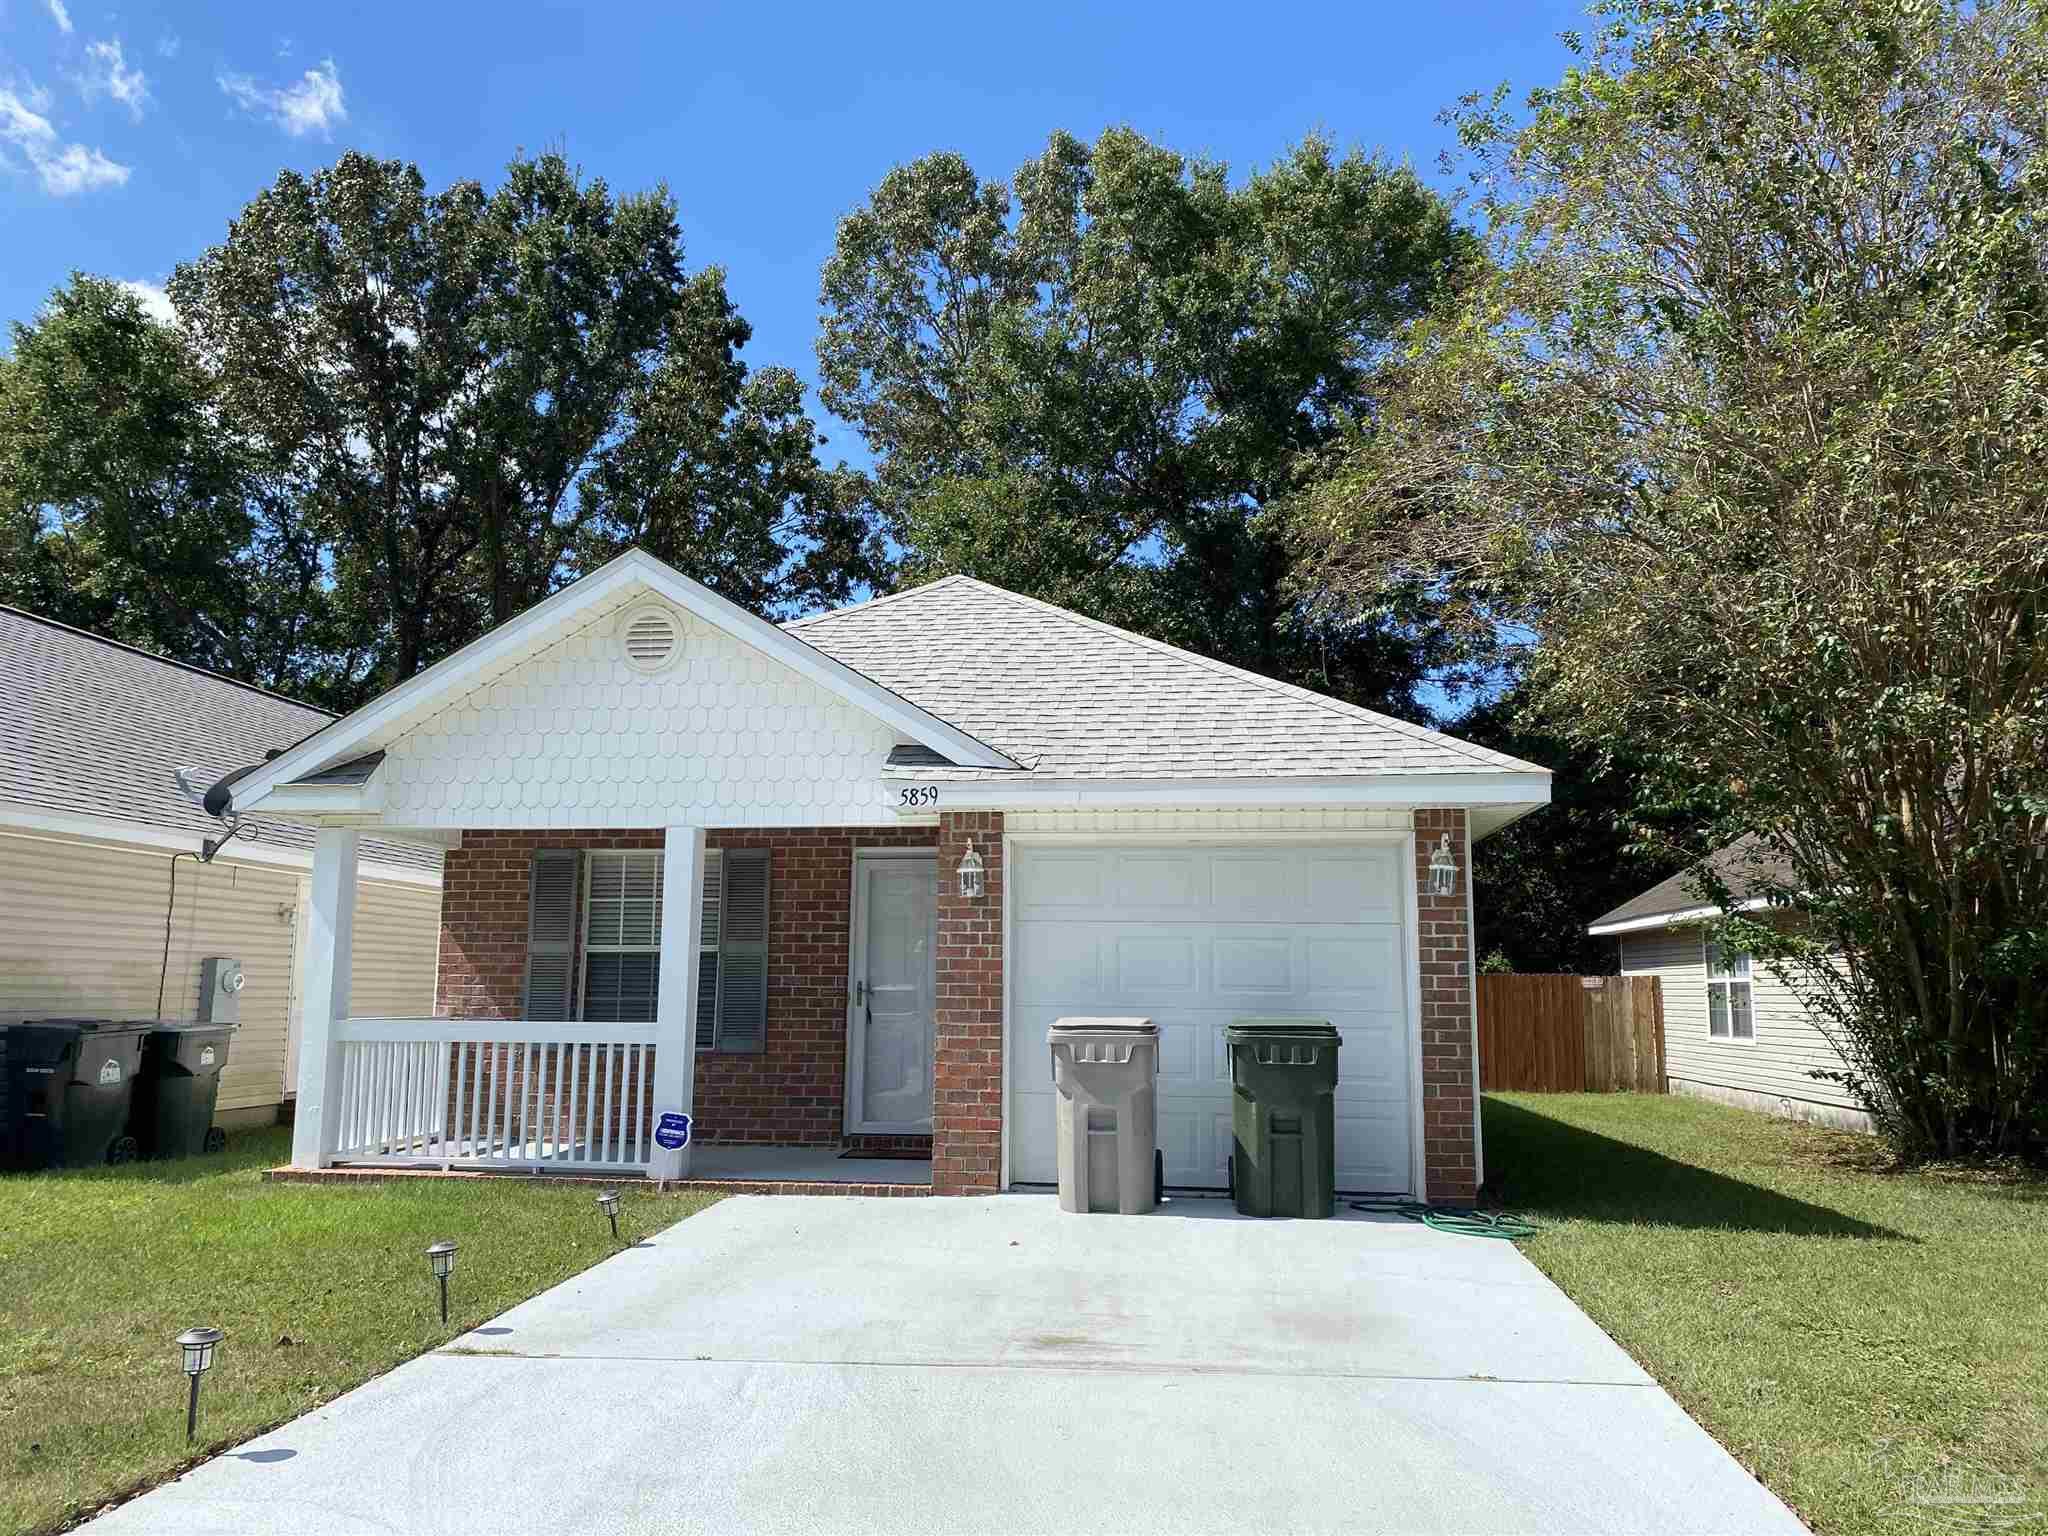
(921, 794)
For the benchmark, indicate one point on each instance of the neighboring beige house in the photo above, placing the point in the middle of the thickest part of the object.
(1732, 1030)
(106, 909)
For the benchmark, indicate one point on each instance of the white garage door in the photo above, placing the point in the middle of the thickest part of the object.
(1192, 938)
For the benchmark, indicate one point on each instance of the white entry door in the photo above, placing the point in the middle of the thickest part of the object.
(1193, 937)
(894, 993)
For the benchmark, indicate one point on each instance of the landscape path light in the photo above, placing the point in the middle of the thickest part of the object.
(608, 1202)
(198, 1345)
(442, 1256)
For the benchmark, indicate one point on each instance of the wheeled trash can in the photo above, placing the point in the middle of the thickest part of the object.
(69, 1083)
(1283, 1116)
(174, 1101)
(1105, 1073)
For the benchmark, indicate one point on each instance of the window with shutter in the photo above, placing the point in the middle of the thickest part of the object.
(743, 951)
(622, 938)
(622, 944)
(551, 936)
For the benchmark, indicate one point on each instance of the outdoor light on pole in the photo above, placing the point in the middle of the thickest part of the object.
(198, 1345)
(442, 1257)
(608, 1202)
(1443, 869)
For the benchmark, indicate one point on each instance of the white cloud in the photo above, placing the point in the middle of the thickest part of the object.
(311, 104)
(107, 73)
(64, 169)
(60, 14)
(169, 44)
(155, 302)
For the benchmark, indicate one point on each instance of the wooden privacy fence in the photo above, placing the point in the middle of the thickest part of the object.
(1571, 1034)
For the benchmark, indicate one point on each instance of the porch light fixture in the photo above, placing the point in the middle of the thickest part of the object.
(1443, 869)
(442, 1256)
(608, 1202)
(198, 1345)
(972, 881)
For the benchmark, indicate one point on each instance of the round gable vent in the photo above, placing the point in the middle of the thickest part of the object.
(650, 639)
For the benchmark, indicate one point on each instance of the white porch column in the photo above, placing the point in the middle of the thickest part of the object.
(330, 936)
(675, 1008)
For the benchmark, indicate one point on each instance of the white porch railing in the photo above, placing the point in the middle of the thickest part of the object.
(495, 1093)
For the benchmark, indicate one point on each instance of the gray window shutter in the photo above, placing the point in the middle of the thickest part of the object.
(551, 936)
(743, 950)
(707, 953)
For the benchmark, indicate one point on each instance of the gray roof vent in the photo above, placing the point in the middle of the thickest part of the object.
(651, 638)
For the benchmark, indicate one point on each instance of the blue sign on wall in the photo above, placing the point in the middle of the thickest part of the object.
(672, 1131)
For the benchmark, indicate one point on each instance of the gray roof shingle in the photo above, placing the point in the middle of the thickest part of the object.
(91, 727)
(1745, 866)
(1073, 698)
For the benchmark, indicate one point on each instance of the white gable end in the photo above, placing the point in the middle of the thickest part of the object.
(579, 736)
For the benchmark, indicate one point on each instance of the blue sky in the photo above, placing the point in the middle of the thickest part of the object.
(131, 134)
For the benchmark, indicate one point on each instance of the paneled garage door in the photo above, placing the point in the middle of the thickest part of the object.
(1193, 937)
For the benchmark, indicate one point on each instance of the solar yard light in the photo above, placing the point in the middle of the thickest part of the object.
(608, 1202)
(198, 1345)
(442, 1257)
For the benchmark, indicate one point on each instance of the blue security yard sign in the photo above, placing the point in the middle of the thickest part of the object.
(672, 1132)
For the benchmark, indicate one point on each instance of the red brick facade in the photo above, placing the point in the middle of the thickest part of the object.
(1444, 940)
(793, 1091)
(967, 1064)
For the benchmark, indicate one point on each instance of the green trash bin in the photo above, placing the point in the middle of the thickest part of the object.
(69, 1088)
(1283, 1116)
(181, 1068)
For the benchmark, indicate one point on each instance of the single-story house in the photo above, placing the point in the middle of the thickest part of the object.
(1732, 1030)
(825, 884)
(107, 907)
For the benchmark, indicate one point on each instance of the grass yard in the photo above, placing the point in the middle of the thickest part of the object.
(318, 1288)
(1873, 1345)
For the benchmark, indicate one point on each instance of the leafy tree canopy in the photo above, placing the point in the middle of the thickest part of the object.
(1748, 420)
(475, 395)
(1096, 381)
(126, 510)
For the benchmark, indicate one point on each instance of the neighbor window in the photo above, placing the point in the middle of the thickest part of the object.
(1729, 1014)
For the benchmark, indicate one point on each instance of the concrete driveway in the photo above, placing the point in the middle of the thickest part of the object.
(841, 1365)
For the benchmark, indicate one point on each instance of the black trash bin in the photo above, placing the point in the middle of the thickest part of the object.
(174, 1102)
(1283, 1076)
(69, 1083)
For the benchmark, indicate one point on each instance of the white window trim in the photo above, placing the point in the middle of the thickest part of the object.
(707, 943)
(1725, 983)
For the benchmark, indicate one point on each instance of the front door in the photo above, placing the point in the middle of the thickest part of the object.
(892, 993)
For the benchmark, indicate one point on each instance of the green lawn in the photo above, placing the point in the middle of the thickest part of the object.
(1864, 1341)
(317, 1287)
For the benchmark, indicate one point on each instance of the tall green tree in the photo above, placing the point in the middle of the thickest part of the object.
(1749, 422)
(455, 380)
(126, 508)
(1094, 382)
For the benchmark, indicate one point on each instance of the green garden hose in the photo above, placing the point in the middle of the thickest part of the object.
(1447, 1218)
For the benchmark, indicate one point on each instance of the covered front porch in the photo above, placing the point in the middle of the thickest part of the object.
(789, 1006)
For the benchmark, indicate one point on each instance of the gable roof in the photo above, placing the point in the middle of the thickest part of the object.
(607, 590)
(1745, 866)
(1073, 698)
(94, 728)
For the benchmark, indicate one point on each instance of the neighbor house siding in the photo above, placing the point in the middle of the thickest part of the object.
(85, 937)
(1770, 1072)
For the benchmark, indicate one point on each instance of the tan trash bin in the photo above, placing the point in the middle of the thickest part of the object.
(1106, 1073)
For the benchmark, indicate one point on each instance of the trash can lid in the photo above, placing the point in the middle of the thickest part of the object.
(108, 1026)
(1071, 1028)
(1266, 1029)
